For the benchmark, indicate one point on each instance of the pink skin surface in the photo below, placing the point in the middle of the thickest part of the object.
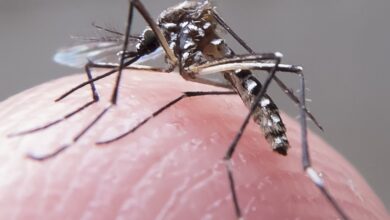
(171, 168)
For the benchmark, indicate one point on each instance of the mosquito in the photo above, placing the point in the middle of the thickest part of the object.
(187, 34)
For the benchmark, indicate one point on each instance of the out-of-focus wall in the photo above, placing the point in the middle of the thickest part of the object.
(343, 46)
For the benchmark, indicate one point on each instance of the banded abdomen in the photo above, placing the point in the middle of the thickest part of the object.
(266, 113)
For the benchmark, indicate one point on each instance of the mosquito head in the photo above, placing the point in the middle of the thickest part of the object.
(148, 42)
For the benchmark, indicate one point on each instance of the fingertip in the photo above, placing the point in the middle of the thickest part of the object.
(171, 167)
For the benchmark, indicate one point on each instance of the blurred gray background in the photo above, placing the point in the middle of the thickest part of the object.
(343, 46)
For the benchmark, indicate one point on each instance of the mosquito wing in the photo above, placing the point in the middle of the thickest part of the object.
(102, 50)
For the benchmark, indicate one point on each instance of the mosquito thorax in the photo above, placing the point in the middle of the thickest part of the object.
(190, 30)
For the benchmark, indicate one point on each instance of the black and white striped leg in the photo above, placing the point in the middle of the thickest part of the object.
(306, 162)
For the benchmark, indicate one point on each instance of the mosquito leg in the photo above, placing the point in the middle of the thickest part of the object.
(95, 95)
(95, 98)
(106, 29)
(163, 108)
(295, 99)
(163, 42)
(74, 141)
(91, 64)
(152, 24)
(306, 162)
(112, 71)
(64, 95)
(50, 124)
(64, 147)
(114, 97)
(220, 21)
(132, 67)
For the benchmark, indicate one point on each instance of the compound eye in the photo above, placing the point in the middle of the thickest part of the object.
(149, 37)
(149, 41)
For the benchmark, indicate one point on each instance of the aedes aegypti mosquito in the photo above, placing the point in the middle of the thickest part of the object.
(187, 35)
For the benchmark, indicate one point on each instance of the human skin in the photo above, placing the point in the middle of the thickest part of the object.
(170, 168)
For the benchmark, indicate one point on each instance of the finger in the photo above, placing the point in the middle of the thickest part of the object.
(170, 168)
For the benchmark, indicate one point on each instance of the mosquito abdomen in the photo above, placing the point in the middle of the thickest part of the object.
(266, 113)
